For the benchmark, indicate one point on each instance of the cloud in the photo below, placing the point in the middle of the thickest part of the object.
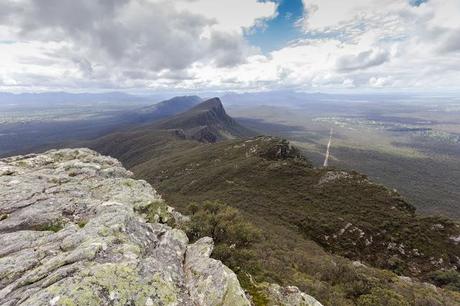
(451, 42)
(380, 82)
(137, 32)
(103, 39)
(200, 44)
(362, 60)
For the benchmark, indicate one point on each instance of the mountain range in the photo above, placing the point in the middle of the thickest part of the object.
(335, 234)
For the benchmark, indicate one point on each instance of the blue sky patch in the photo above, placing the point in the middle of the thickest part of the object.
(279, 30)
(417, 2)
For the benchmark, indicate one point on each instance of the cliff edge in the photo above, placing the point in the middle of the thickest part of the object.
(74, 230)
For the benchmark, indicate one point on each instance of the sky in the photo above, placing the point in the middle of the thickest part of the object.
(229, 45)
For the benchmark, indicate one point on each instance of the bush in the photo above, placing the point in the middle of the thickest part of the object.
(233, 235)
(221, 222)
(447, 279)
(382, 297)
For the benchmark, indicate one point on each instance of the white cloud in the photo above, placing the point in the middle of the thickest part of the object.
(231, 15)
(362, 60)
(199, 44)
(123, 42)
(380, 82)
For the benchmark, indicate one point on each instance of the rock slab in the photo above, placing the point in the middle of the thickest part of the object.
(72, 232)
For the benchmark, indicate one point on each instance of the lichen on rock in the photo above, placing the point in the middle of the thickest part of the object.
(76, 229)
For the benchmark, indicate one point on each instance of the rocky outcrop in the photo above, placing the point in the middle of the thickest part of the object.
(74, 231)
(289, 295)
(205, 276)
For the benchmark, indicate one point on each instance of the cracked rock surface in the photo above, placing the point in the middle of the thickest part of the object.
(72, 233)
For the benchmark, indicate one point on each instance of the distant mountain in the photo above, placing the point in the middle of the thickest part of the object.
(168, 108)
(66, 119)
(206, 122)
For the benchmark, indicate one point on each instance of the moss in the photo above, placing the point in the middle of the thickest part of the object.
(54, 226)
(258, 296)
(128, 183)
(3, 217)
(156, 211)
(22, 163)
(128, 249)
(118, 283)
(104, 231)
(82, 223)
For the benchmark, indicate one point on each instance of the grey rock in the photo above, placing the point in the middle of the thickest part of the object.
(289, 296)
(205, 274)
(72, 232)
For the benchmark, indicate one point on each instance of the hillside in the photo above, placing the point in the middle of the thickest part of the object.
(207, 122)
(294, 204)
(311, 219)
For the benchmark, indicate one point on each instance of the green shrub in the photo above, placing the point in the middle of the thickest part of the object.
(448, 279)
(382, 297)
(221, 222)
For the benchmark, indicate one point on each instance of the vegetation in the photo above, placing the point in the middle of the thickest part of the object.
(157, 211)
(233, 235)
(382, 297)
(345, 214)
(335, 235)
(430, 183)
(333, 280)
(279, 192)
(448, 279)
(82, 223)
(54, 226)
(222, 222)
(384, 140)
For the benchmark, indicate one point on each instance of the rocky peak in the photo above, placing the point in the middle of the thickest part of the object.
(206, 122)
(211, 104)
(215, 109)
(73, 231)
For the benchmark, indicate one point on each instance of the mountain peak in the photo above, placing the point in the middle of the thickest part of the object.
(211, 104)
(206, 122)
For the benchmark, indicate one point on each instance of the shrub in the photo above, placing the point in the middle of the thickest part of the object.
(221, 222)
(448, 279)
(382, 297)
